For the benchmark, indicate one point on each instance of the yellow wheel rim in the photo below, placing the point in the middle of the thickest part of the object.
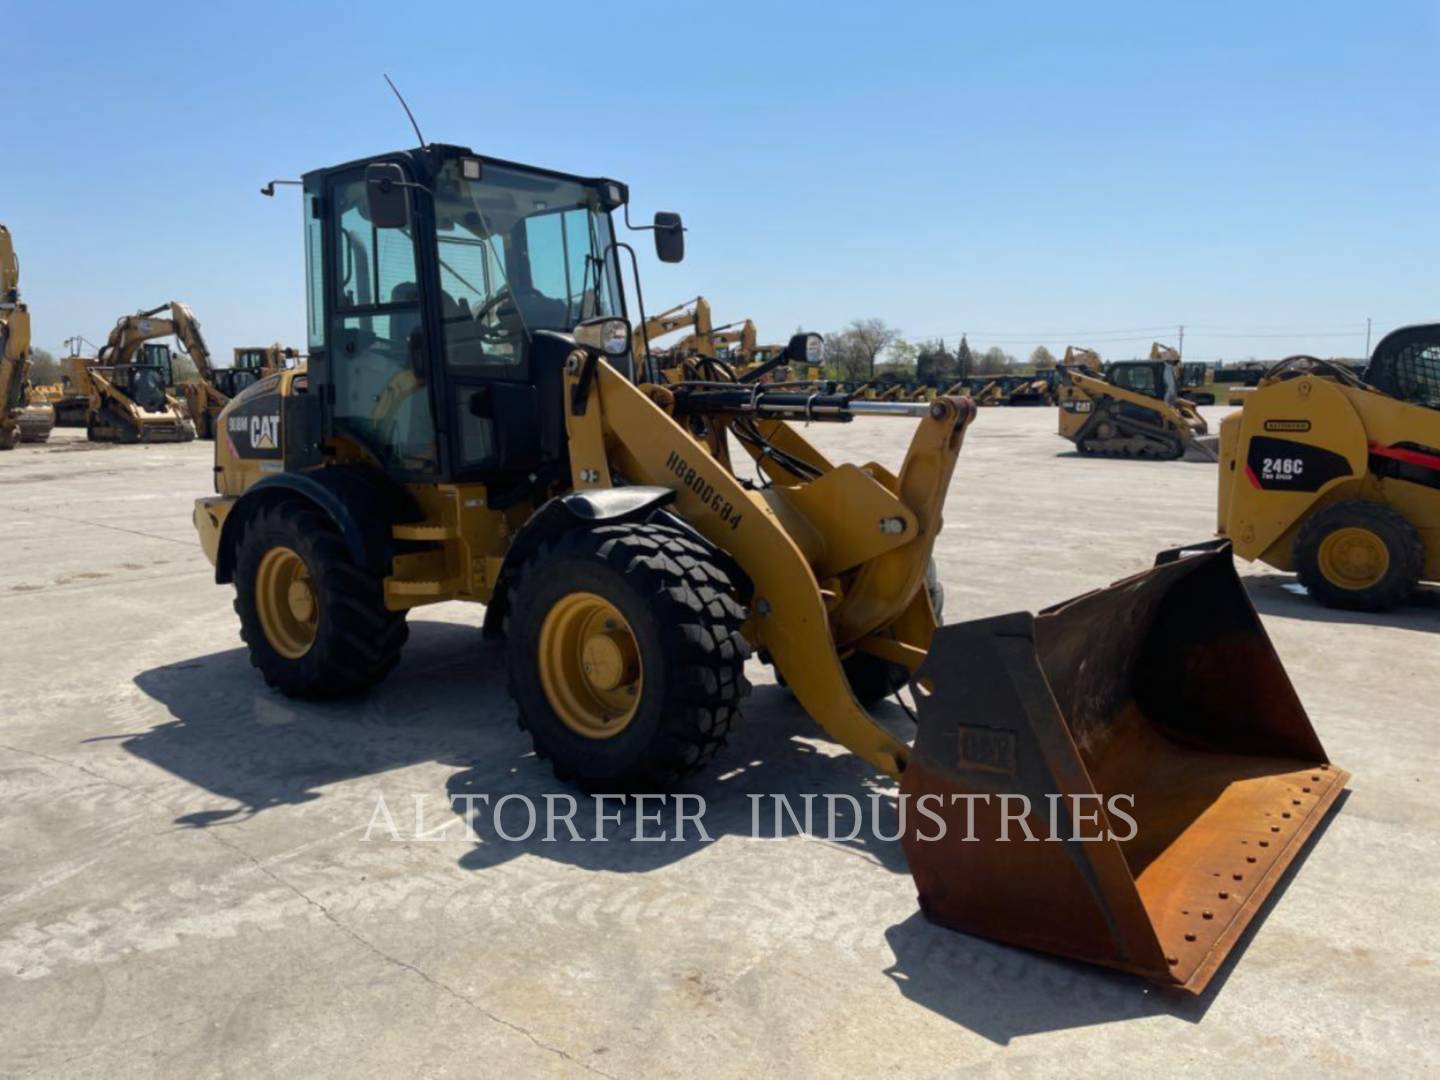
(285, 600)
(590, 665)
(1353, 558)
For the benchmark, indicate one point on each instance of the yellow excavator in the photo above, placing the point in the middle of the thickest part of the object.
(133, 335)
(1338, 478)
(488, 448)
(23, 416)
(693, 315)
(1131, 409)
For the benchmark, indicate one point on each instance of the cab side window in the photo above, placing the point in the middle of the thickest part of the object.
(378, 348)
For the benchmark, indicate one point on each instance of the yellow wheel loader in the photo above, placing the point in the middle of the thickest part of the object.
(1338, 479)
(459, 435)
(1133, 409)
(24, 416)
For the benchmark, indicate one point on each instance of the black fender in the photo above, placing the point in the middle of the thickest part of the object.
(573, 510)
(362, 503)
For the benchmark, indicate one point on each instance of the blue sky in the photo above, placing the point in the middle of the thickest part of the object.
(1265, 173)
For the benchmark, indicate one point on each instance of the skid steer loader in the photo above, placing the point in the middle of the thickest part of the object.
(24, 416)
(465, 428)
(1133, 409)
(1338, 479)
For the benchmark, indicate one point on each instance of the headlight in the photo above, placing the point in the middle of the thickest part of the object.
(615, 337)
(815, 349)
(610, 336)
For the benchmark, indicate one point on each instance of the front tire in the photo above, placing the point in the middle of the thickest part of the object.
(1359, 556)
(315, 622)
(625, 656)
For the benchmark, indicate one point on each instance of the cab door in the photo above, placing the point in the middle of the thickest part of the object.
(375, 352)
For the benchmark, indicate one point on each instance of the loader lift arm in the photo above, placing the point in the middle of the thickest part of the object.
(872, 571)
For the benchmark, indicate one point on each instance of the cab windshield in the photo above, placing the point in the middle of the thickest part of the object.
(518, 252)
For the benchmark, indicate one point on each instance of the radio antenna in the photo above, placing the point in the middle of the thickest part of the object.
(411, 115)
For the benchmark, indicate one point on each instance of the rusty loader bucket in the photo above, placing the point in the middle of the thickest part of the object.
(1168, 771)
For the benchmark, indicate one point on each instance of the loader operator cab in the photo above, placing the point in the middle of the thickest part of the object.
(249, 363)
(143, 383)
(1154, 379)
(1406, 365)
(156, 354)
(443, 289)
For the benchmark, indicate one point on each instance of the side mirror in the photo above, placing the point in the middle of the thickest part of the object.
(669, 237)
(385, 200)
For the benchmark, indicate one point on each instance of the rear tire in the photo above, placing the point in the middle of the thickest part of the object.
(315, 622)
(668, 707)
(1359, 556)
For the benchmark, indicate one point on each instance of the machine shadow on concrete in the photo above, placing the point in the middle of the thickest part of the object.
(1002, 992)
(447, 702)
(1282, 595)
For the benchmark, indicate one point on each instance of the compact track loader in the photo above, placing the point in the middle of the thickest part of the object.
(251, 364)
(1133, 409)
(470, 426)
(1338, 479)
(134, 336)
(128, 403)
(1038, 389)
(24, 417)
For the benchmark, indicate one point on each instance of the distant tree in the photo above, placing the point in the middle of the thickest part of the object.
(1042, 358)
(993, 361)
(872, 337)
(901, 354)
(964, 359)
(44, 368)
(183, 367)
(933, 363)
(845, 356)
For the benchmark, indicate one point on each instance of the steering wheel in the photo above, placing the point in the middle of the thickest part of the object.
(497, 332)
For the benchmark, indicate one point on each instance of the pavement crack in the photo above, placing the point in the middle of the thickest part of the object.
(96, 525)
(390, 958)
(329, 917)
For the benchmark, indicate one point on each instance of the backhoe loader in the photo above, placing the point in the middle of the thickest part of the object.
(201, 398)
(483, 446)
(1338, 478)
(1133, 409)
(23, 417)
